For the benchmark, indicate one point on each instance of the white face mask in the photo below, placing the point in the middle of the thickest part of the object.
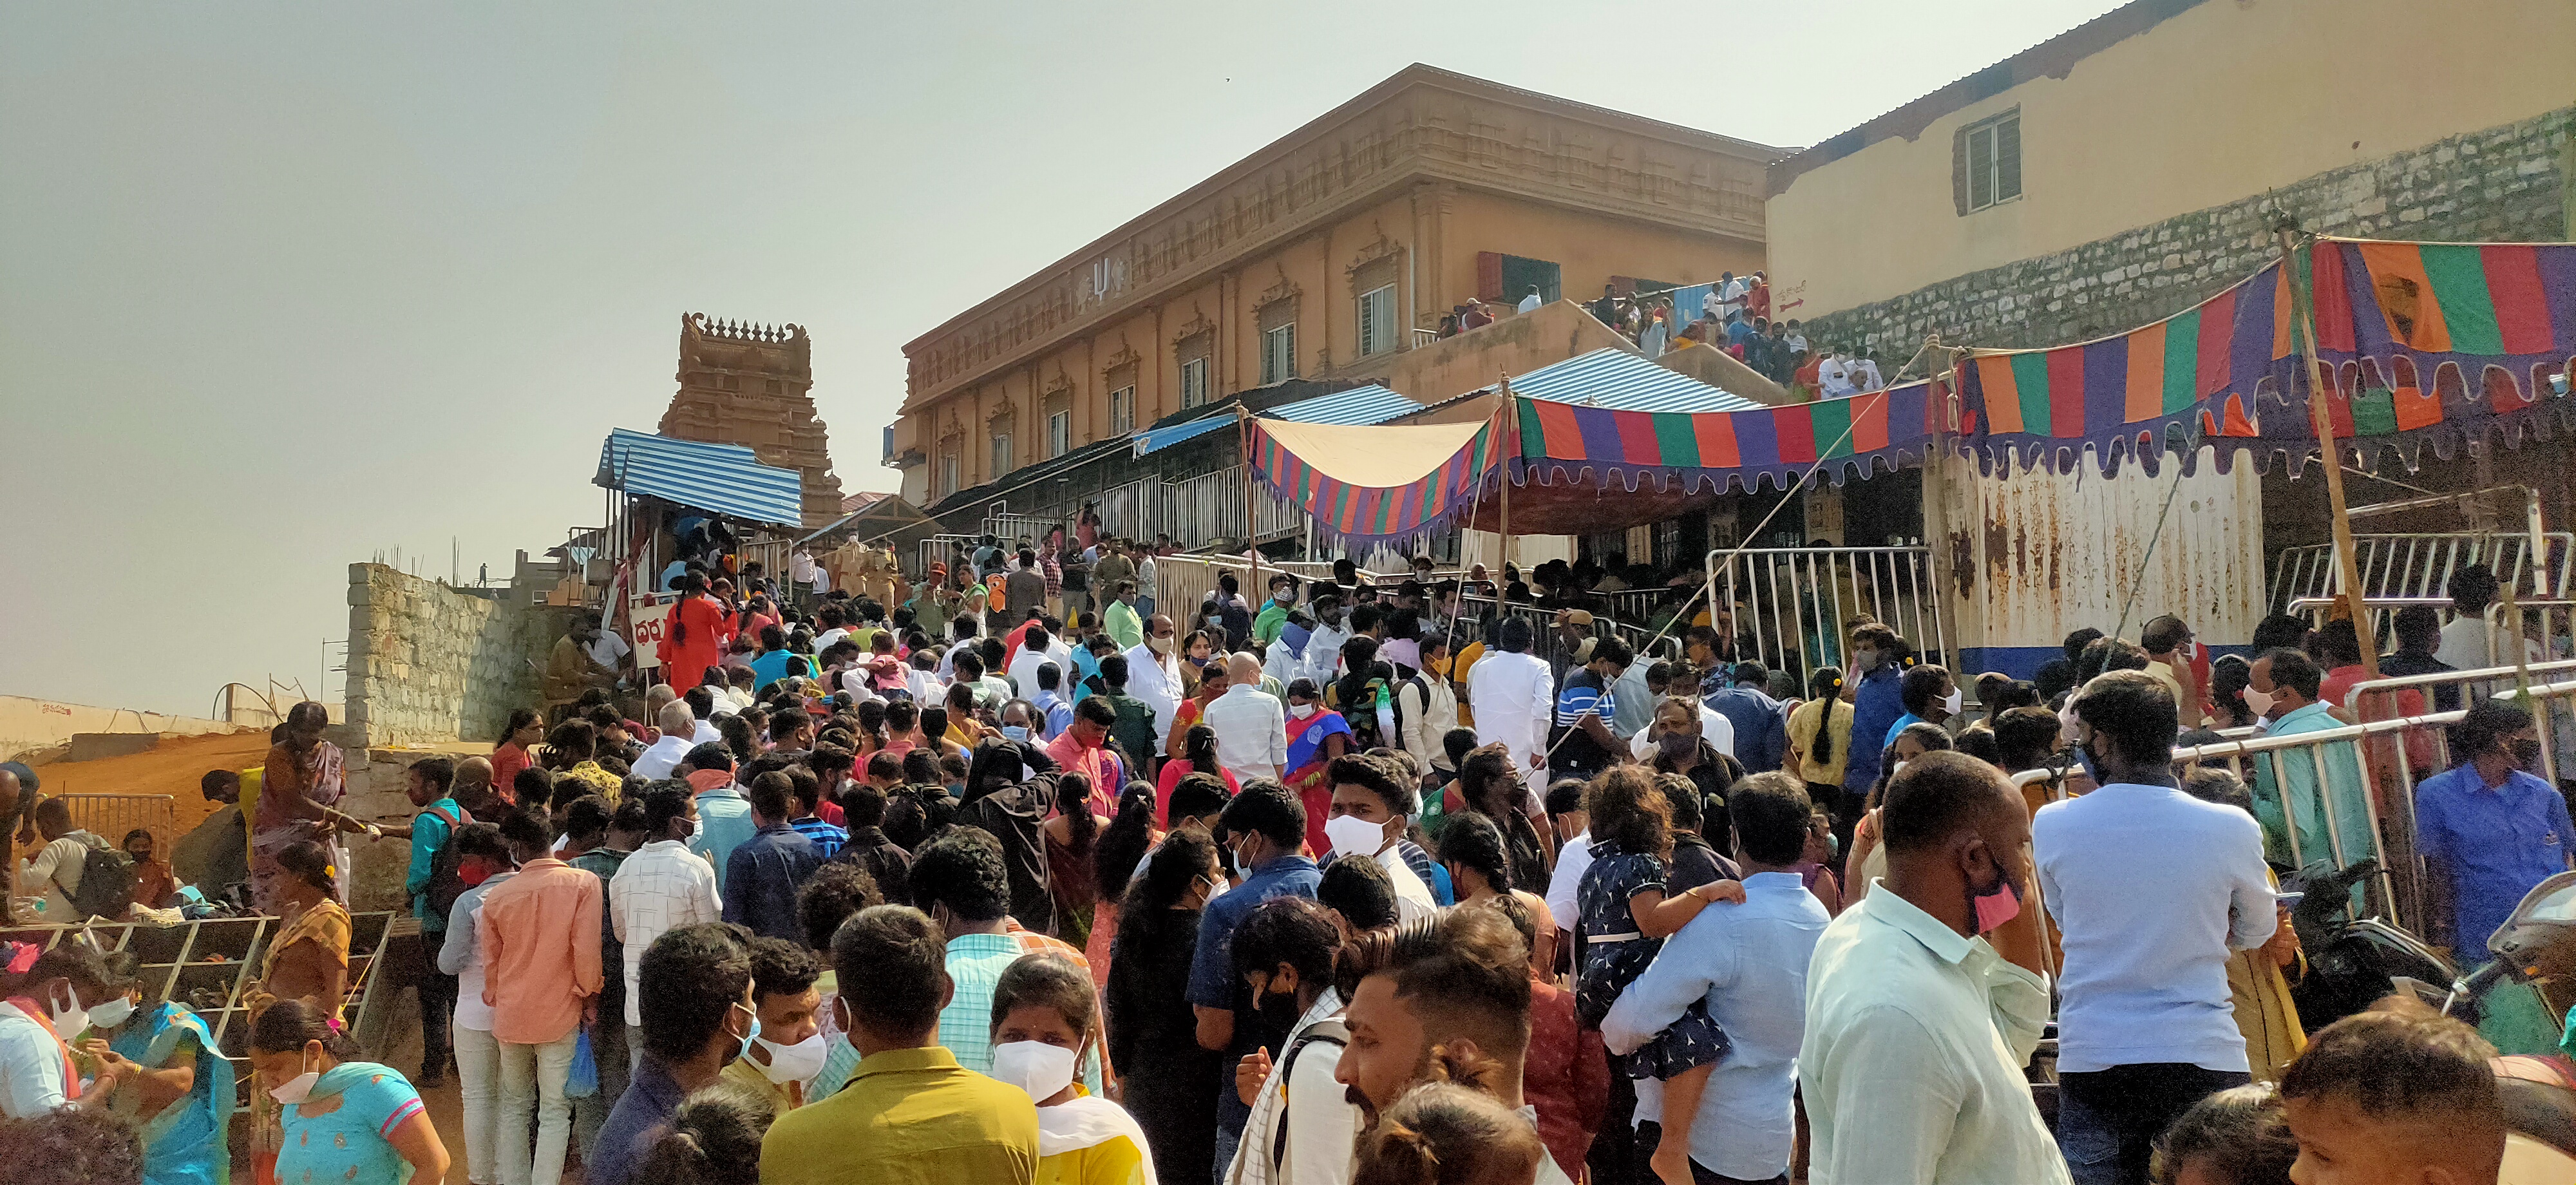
(1301, 711)
(793, 1063)
(1041, 1069)
(1353, 836)
(297, 1089)
(113, 1013)
(69, 1020)
(2259, 701)
(1950, 703)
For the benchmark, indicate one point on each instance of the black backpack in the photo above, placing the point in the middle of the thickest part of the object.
(106, 881)
(444, 885)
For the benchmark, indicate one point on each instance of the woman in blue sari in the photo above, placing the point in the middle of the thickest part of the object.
(341, 1119)
(172, 1084)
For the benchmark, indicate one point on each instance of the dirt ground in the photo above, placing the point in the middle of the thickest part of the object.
(173, 767)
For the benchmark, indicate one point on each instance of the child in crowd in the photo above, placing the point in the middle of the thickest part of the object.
(2387, 1097)
(1626, 917)
(2235, 1137)
(1450, 1131)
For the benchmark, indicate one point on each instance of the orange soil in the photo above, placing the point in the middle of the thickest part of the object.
(173, 767)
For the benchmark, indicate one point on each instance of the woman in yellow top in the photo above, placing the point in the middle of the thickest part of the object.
(1820, 737)
(307, 960)
(1046, 1019)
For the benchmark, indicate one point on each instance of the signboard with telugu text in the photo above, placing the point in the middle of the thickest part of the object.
(649, 619)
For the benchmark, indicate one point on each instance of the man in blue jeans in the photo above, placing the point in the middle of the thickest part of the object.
(2154, 891)
(1265, 825)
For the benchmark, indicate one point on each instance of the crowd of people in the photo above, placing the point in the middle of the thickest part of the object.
(1348, 884)
(1732, 314)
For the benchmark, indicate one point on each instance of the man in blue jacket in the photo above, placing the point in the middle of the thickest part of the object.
(1879, 655)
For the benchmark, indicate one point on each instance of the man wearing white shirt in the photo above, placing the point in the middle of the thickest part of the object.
(1324, 646)
(702, 704)
(1154, 676)
(1926, 999)
(1530, 303)
(1797, 338)
(679, 732)
(1863, 372)
(1371, 806)
(662, 887)
(2154, 891)
(1251, 727)
(836, 626)
(1036, 646)
(1832, 376)
(1748, 963)
(606, 648)
(1513, 695)
(1730, 293)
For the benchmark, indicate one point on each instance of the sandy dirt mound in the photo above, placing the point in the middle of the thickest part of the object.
(173, 767)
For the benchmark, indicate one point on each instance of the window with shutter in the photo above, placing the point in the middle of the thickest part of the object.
(1279, 354)
(1377, 320)
(1194, 381)
(1001, 454)
(1122, 410)
(1989, 162)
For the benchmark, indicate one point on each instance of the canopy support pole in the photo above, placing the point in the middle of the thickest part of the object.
(2321, 417)
(1505, 450)
(1251, 526)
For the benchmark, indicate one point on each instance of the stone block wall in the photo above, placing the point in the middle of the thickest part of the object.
(2503, 184)
(428, 663)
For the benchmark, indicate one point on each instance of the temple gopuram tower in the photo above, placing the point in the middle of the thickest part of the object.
(752, 385)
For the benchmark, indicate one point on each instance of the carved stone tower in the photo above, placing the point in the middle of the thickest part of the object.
(752, 385)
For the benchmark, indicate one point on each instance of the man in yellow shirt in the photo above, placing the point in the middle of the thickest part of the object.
(788, 1048)
(910, 1115)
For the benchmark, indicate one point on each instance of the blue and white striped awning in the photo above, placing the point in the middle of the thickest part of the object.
(1158, 439)
(1621, 381)
(1359, 407)
(723, 479)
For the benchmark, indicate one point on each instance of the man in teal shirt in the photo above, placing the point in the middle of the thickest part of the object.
(1274, 612)
(430, 779)
(2285, 784)
(1120, 620)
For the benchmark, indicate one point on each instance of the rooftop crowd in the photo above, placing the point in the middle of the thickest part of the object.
(1733, 314)
(1349, 883)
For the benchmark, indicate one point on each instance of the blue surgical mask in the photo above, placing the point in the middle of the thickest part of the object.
(1017, 732)
(754, 1034)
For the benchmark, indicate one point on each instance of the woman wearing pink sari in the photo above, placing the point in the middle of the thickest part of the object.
(302, 782)
(1315, 738)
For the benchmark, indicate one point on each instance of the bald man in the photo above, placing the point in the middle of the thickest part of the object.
(473, 788)
(1251, 729)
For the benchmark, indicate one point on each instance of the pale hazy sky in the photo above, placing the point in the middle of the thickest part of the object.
(283, 286)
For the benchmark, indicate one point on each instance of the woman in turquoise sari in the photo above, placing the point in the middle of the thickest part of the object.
(341, 1119)
(172, 1084)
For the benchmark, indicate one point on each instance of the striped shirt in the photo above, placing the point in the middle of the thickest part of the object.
(828, 839)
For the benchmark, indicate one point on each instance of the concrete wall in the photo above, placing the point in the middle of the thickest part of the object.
(2215, 105)
(429, 664)
(40, 723)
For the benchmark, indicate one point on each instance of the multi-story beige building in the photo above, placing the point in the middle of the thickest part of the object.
(1328, 255)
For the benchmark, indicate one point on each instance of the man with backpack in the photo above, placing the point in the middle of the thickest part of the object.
(79, 875)
(1302, 1121)
(433, 885)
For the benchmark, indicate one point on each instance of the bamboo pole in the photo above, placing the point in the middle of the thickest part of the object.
(1504, 452)
(1251, 526)
(2321, 417)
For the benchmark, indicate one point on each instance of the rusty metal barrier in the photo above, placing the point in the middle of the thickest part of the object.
(2381, 761)
(111, 816)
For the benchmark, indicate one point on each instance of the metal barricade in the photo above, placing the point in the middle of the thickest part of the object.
(2381, 761)
(112, 816)
(2417, 565)
(1792, 607)
(1010, 528)
(940, 549)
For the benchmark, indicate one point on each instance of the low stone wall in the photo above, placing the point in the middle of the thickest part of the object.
(2501, 184)
(429, 664)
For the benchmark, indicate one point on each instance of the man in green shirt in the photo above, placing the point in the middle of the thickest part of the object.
(910, 1112)
(1120, 621)
(1274, 612)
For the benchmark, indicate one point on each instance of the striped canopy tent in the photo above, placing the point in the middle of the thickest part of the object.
(2420, 344)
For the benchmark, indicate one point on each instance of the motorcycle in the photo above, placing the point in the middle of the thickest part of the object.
(2354, 962)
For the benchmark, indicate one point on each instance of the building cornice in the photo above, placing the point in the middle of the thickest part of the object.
(1420, 125)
